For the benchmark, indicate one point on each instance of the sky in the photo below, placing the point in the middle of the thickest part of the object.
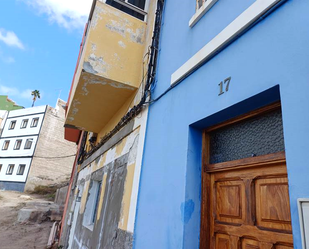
(39, 45)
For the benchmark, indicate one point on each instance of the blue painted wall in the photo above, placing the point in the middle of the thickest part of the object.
(15, 186)
(268, 62)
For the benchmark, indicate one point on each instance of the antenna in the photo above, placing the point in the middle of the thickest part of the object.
(60, 90)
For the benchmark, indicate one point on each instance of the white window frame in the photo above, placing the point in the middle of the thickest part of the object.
(91, 210)
(27, 142)
(12, 125)
(235, 29)
(200, 11)
(34, 122)
(6, 145)
(24, 123)
(133, 7)
(8, 170)
(302, 204)
(17, 144)
(23, 166)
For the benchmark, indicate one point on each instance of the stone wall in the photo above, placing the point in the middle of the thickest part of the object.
(53, 158)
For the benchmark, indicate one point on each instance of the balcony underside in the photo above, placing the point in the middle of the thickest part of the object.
(95, 102)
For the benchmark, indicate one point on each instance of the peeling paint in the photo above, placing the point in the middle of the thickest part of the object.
(97, 16)
(92, 80)
(120, 146)
(116, 27)
(84, 197)
(101, 196)
(137, 36)
(122, 44)
(96, 65)
(125, 208)
(74, 108)
(89, 68)
(120, 28)
(93, 47)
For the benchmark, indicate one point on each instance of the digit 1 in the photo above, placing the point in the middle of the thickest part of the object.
(221, 88)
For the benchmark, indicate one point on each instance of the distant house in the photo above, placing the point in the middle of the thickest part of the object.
(8, 104)
(32, 149)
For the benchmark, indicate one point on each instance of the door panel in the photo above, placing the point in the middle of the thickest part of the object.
(223, 241)
(272, 204)
(249, 208)
(283, 247)
(230, 201)
(250, 244)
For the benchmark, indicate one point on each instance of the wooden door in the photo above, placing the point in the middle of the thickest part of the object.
(246, 204)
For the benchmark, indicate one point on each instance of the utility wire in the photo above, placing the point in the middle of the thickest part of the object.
(55, 157)
(161, 95)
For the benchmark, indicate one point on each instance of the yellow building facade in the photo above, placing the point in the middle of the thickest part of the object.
(107, 103)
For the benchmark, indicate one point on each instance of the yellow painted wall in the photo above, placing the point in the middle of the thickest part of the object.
(119, 33)
(133, 100)
(126, 201)
(84, 197)
(115, 45)
(101, 196)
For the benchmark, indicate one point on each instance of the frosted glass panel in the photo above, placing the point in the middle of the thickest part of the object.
(257, 136)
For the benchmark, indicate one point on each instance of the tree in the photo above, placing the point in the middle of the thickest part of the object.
(35, 94)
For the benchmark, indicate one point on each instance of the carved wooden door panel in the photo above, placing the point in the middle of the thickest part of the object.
(249, 207)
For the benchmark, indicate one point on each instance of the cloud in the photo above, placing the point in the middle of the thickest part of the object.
(10, 39)
(70, 14)
(15, 92)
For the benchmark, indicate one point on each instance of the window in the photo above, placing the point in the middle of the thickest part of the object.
(28, 143)
(93, 199)
(21, 169)
(0, 167)
(134, 8)
(199, 3)
(24, 123)
(6, 145)
(202, 7)
(34, 122)
(17, 144)
(260, 135)
(12, 125)
(10, 169)
(94, 215)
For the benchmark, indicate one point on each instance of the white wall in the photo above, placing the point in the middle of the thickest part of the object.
(27, 111)
(14, 178)
(17, 131)
(10, 152)
(22, 155)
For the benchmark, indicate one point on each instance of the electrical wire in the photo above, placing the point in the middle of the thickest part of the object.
(151, 73)
(55, 157)
(161, 95)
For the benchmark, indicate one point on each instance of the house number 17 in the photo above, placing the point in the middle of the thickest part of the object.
(225, 83)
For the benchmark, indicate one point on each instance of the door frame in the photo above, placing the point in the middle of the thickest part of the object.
(208, 169)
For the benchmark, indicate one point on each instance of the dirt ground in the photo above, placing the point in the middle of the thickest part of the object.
(14, 235)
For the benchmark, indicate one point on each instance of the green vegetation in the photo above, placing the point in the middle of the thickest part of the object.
(36, 95)
(48, 192)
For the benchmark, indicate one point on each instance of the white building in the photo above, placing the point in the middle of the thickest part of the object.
(3, 114)
(19, 143)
